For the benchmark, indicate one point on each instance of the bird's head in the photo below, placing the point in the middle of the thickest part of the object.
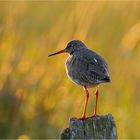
(72, 46)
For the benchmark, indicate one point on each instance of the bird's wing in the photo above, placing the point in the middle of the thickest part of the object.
(94, 68)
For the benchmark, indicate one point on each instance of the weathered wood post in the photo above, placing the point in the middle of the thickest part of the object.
(100, 127)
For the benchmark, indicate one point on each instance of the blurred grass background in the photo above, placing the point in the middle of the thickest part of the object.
(36, 97)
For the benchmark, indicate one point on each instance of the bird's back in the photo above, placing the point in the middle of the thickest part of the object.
(87, 68)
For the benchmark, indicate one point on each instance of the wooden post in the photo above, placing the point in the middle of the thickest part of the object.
(100, 127)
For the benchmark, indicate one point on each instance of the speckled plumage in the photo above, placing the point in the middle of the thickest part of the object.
(87, 68)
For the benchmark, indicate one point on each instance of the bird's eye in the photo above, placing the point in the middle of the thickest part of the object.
(69, 46)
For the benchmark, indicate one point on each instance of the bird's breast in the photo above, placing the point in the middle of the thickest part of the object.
(71, 64)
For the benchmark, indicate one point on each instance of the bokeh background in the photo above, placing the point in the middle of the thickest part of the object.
(36, 97)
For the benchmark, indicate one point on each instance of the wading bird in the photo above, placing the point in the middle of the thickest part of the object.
(86, 68)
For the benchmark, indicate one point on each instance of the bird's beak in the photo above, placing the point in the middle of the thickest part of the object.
(62, 51)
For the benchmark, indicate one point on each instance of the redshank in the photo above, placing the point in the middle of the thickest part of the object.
(86, 68)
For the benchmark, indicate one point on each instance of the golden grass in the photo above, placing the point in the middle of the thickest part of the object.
(36, 97)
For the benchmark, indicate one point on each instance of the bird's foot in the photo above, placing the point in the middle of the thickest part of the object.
(95, 115)
(82, 118)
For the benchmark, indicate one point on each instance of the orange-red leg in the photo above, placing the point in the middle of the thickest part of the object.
(96, 102)
(85, 107)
